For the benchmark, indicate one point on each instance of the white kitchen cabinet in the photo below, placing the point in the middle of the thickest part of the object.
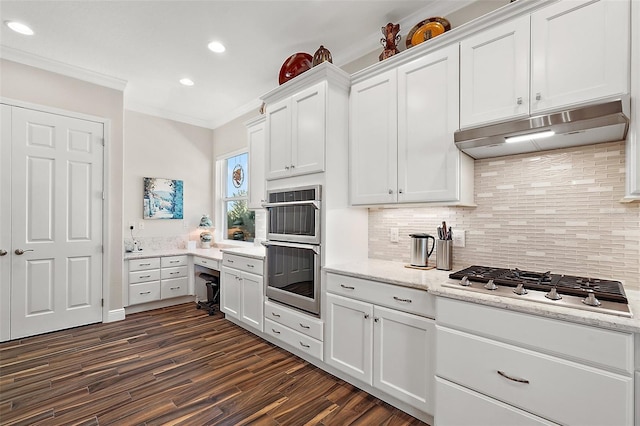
(297, 330)
(401, 142)
(157, 278)
(256, 141)
(570, 62)
(295, 129)
(494, 74)
(633, 137)
(241, 289)
(550, 372)
(383, 347)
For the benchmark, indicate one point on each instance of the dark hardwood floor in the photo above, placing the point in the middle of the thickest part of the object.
(174, 366)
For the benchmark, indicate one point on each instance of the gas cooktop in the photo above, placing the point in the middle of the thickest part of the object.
(593, 294)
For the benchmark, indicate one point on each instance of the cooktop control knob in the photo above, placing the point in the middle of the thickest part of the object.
(465, 281)
(490, 285)
(553, 294)
(520, 290)
(591, 300)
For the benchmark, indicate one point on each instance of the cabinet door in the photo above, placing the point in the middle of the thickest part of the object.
(403, 356)
(308, 130)
(573, 63)
(278, 129)
(494, 74)
(428, 111)
(230, 292)
(252, 311)
(348, 338)
(373, 155)
(256, 140)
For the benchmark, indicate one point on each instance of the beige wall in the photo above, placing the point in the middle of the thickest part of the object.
(162, 148)
(39, 87)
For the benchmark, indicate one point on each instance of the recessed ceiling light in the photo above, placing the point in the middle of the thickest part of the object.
(19, 27)
(186, 82)
(216, 46)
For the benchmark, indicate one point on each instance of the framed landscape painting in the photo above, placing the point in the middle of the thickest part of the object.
(162, 198)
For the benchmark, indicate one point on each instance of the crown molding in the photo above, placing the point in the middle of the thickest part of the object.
(22, 57)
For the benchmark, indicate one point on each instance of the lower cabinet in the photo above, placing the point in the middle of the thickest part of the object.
(513, 377)
(241, 289)
(297, 330)
(386, 348)
(157, 278)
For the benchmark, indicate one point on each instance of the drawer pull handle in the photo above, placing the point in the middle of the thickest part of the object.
(513, 378)
(145, 292)
(275, 315)
(347, 287)
(275, 331)
(173, 273)
(250, 265)
(229, 260)
(174, 261)
(145, 276)
(203, 261)
(304, 345)
(144, 264)
(402, 300)
(304, 326)
(174, 288)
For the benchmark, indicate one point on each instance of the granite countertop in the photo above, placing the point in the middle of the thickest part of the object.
(432, 280)
(214, 253)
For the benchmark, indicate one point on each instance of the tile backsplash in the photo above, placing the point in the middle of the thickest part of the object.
(556, 210)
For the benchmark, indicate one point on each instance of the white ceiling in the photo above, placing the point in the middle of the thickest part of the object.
(151, 44)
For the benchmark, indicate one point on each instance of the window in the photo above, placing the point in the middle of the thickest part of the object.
(240, 223)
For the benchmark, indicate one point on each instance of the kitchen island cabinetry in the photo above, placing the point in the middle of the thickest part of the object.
(570, 65)
(241, 289)
(401, 140)
(368, 332)
(530, 368)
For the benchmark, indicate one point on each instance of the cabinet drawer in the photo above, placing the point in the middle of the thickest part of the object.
(247, 264)
(176, 272)
(479, 409)
(174, 287)
(143, 264)
(207, 263)
(304, 324)
(405, 299)
(600, 347)
(291, 337)
(554, 388)
(144, 276)
(170, 261)
(144, 292)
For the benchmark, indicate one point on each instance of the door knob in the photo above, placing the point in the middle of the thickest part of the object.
(3, 252)
(20, 251)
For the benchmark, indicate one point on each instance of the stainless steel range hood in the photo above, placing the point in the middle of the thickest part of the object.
(603, 122)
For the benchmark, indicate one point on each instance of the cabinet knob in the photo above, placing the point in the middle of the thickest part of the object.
(399, 191)
(519, 101)
(293, 166)
(390, 191)
(366, 316)
(376, 319)
(538, 96)
(286, 167)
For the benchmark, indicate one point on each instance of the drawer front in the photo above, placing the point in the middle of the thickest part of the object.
(457, 405)
(144, 292)
(556, 389)
(247, 264)
(291, 337)
(143, 264)
(304, 324)
(207, 263)
(176, 272)
(144, 276)
(174, 287)
(404, 299)
(170, 261)
(596, 346)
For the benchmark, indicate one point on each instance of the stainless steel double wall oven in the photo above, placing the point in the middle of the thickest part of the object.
(293, 247)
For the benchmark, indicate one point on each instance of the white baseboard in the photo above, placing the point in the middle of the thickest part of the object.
(115, 315)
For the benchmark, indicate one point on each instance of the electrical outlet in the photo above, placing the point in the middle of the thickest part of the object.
(140, 225)
(458, 238)
(132, 226)
(393, 235)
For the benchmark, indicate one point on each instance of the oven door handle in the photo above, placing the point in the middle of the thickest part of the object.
(315, 249)
(314, 203)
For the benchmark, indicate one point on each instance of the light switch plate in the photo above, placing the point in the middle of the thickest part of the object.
(393, 235)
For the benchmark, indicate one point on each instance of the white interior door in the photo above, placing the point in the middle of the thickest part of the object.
(5, 222)
(56, 219)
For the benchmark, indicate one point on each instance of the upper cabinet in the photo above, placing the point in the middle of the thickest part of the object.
(545, 61)
(297, 124)
(401, 141)
(256, 142)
